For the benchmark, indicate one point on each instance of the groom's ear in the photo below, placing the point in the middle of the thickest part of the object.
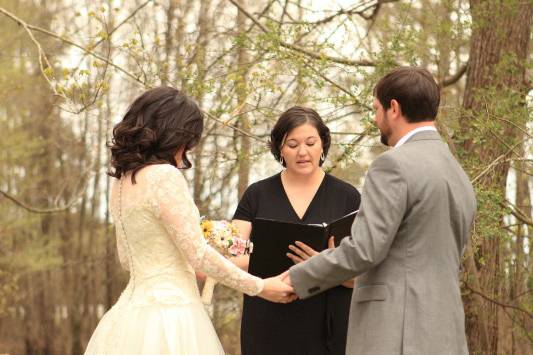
(395, 108)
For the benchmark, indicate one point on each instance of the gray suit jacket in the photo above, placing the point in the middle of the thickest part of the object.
(416, 211)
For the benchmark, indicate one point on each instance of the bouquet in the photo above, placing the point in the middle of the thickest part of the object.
(223, 236)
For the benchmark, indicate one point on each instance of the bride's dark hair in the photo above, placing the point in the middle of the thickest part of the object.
(156, 126)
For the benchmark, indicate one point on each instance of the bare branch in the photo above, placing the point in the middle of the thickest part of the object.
(226, 52)
(349, 148)
(501, 304)
(355, 10)
(496, 161)
(338, 86)
(72, 43)
(43, 60)
(130, 16)
(522, 129)
(454, 78)
(110, 33)
(38, 210)
(519, 214)
(294, 47)
(225, 123)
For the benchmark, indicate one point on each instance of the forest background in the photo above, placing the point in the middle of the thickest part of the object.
(68, 70)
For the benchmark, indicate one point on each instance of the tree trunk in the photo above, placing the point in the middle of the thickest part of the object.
(495, 78)
(243, 155)
(204, 23)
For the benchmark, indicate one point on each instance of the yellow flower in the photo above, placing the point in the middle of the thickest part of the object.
(207, 227)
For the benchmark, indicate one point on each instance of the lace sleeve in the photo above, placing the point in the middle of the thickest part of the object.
(181, 219)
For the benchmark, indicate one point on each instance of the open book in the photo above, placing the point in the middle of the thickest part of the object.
(272, 238)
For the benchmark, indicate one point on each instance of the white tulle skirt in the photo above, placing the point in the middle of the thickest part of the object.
(149, 328)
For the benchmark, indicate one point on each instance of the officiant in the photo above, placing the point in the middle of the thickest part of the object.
(301, 193)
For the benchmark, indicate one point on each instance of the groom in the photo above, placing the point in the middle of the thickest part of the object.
(407, 241)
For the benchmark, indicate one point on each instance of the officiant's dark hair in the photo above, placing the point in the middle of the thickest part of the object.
(292, 118)
(415, 90)
(157, 124)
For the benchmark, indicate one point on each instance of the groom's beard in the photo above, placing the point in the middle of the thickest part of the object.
(384, 139)
(385, 130)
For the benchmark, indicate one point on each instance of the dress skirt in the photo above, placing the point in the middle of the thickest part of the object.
(158, 325)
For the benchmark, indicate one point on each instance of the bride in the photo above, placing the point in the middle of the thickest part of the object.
(159, 238)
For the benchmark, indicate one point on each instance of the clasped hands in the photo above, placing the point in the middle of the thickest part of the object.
(279, 289)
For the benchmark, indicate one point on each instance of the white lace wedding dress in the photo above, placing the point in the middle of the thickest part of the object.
(160, 242)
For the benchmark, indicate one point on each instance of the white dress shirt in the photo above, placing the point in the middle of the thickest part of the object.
(412, 133)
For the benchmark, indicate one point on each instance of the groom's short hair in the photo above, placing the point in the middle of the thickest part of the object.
(415, 90)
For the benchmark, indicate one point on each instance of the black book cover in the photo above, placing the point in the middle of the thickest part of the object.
(272, 238)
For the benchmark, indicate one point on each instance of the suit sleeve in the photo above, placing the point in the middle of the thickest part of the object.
(383, 206)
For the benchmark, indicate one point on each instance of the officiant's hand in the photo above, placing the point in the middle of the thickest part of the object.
(275, 290)
(304, 251)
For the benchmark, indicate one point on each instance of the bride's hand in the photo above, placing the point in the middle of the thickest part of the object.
(275, 290)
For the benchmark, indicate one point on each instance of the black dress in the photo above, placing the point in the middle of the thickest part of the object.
(317, 325)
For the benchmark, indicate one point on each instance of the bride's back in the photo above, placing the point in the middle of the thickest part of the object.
(144, 246)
